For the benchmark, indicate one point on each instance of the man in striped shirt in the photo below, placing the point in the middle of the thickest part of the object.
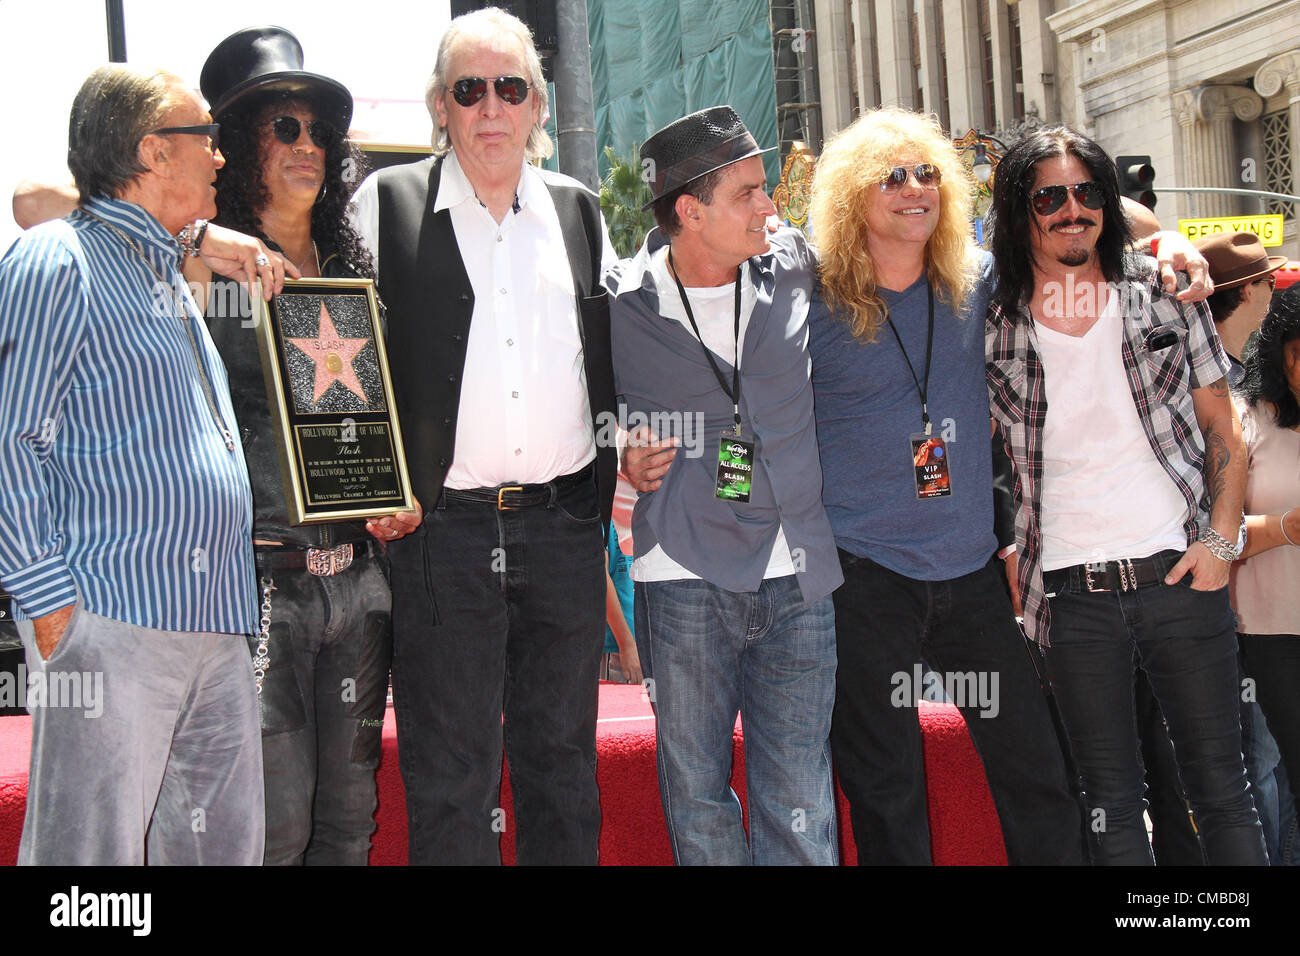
(126, 528)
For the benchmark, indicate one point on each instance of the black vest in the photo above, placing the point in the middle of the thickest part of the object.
(423, 285)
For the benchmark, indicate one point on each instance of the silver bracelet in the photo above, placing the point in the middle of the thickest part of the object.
(1282, 526)
(1218, 545)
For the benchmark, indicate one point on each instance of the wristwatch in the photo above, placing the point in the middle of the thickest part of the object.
(191, 237)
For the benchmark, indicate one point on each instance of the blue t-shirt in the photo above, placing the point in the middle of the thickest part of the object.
(867, 406)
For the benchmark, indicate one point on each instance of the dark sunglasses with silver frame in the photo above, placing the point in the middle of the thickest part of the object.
(210, 130)
(927, 176)
(469, 90)
(1045, 201)
(287, 129)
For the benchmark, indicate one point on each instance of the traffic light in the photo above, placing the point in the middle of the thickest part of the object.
(1136, 175)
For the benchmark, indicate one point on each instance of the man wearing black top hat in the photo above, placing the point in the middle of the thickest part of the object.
(498, 338)
(735, 560)
(325, 645)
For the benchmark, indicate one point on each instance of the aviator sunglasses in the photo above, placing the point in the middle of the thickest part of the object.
(927, 176)
(287, 129)
(512, 89)
(1047, 200)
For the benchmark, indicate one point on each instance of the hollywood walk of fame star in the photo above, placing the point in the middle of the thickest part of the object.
(333, 356)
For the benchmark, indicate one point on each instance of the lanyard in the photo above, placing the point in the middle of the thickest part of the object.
(208, 391)
(733, 392)
(922, 388)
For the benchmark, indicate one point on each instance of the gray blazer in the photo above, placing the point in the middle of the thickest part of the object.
(661, 373)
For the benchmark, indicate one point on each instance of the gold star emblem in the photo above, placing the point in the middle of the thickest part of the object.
(332, 355)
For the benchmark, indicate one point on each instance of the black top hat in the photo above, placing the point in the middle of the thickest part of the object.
(695, 146)
(264, 60)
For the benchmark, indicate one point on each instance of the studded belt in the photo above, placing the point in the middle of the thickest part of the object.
(1126, 574)
(322, 562)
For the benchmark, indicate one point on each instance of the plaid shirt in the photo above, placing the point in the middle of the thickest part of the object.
(1160, 381)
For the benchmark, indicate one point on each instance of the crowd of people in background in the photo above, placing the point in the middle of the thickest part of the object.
(875, 449)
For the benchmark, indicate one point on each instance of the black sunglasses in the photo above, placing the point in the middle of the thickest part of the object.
(211, 130)
(927, 176)
(1047, 200)
(512, 89)
(287, 129)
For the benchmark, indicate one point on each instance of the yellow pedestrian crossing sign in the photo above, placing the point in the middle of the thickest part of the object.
(1268, 228)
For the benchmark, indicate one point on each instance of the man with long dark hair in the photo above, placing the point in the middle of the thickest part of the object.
(328, 632)
(1129, 488)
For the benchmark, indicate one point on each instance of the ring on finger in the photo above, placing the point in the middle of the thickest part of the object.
(262, 260)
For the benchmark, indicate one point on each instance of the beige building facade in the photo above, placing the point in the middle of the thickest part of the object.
(1209, 89)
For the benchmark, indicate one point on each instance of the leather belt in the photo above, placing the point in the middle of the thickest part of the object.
(1126, 574)
(512, 497)
(322, 562)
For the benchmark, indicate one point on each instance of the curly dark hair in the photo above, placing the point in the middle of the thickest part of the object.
(241, 193)
(1012, 219)
(1265, 361)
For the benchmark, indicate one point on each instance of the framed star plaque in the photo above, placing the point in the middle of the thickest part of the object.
(331, 399)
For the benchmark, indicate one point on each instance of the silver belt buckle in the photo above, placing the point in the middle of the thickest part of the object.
(1095, 567)
(323, 564)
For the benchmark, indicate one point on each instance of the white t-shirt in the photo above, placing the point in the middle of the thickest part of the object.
(1105, 496)
(715, 313)
(524, 414)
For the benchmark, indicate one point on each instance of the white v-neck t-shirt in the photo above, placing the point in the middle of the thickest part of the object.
(1105, 496)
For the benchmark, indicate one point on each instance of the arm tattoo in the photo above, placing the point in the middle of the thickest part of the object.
(1219, 389)
(1217, 457)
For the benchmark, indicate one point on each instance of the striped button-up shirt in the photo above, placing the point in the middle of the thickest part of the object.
(1160, 380)
(117, 481)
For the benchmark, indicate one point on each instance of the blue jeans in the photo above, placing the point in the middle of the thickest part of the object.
(1186, 643)
(500, 613)
(322, 712)
(708, 654)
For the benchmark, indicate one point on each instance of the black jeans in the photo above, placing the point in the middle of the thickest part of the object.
(1186, 642)
(322, 712)
(500, 612)
(963, 628)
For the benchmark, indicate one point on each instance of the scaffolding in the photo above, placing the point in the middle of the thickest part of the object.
(794, 58)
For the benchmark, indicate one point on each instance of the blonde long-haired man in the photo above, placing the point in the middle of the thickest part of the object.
(896, 338)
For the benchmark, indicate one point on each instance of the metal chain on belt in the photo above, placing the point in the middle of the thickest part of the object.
(262, 656)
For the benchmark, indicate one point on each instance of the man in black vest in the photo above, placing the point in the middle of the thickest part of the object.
(498, 335)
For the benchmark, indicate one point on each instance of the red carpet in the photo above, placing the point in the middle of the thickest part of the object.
(963, 824)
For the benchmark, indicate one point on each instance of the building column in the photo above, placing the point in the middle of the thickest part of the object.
(865, 61)
(965, 82)
(1003, 76)
(834, 74)
(1209, 151)
(1038, 59)
(1269, 79)
(929, 25)
(897, 81)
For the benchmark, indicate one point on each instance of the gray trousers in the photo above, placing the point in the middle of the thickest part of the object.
(145, 748)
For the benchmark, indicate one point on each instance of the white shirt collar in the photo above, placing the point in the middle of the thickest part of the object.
(454, 187)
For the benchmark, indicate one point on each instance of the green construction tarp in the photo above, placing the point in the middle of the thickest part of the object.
(653, 61)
